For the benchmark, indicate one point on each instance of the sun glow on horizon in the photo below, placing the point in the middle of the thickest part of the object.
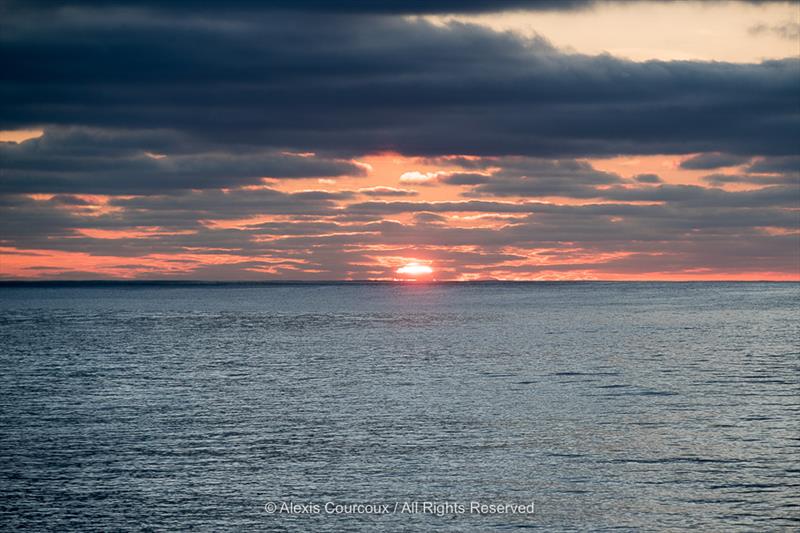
(414, 269)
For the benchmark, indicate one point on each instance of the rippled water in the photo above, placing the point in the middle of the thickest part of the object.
(635, 406)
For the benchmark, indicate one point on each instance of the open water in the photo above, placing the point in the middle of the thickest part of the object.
(635, 406)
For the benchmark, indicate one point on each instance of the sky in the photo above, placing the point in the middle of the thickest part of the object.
(442, 139)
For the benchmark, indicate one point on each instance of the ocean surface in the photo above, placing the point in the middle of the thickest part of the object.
(626, 406)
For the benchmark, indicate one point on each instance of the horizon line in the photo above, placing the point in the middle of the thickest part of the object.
(33, 282)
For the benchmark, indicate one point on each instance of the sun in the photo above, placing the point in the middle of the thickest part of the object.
(414, 269)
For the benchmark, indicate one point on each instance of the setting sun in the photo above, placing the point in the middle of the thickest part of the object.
(415, 269)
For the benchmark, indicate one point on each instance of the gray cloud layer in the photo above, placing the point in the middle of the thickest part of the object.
(387, 84)
(81, 160)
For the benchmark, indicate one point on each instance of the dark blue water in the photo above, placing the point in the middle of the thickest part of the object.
(629, 406)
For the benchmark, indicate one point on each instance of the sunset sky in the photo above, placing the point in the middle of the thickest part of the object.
(305, 140)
